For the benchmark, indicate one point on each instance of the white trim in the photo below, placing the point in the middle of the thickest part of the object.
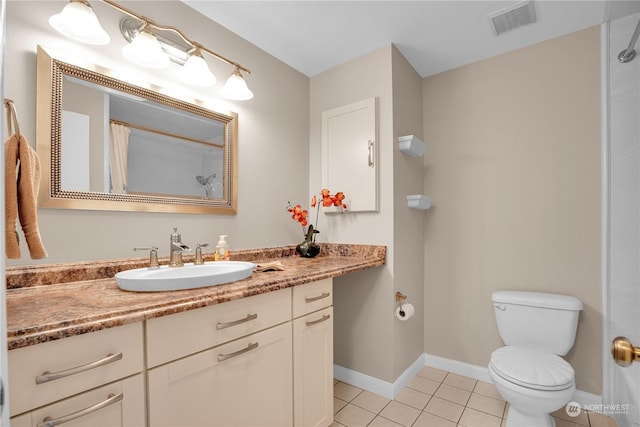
(588, 400)
(377, 386)
(456, 367)
(607, 385)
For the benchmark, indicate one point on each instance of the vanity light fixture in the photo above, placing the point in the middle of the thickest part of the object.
(78, 21)
(152, 45)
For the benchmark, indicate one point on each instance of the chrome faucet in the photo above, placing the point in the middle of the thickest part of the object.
(176, 249)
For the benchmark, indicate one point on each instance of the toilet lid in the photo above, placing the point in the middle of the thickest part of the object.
(532, 368)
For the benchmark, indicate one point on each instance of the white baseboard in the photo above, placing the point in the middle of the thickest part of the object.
(590, 401)
(377, 386)
(456, 367)
(392, 390)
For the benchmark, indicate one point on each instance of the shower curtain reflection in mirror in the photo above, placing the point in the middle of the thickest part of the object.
(118, 155)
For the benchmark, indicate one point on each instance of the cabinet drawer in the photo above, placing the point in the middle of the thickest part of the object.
(312, 296)
(178, 335)
(73, 365)
(117, 404)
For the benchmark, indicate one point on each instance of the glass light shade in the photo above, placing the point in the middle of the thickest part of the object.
(196, 72)
(78, 22)
(236, 88)
(145, 50)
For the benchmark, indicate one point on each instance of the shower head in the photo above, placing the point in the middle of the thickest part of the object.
(205, 181)
(629, 53)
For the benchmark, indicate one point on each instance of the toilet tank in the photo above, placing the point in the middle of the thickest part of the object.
(537, 320)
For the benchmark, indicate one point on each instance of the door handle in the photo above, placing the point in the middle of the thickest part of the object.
(623, 352)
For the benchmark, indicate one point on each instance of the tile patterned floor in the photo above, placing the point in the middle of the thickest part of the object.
(437, 398)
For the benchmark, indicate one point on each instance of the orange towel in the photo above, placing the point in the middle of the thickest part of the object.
(22, 180)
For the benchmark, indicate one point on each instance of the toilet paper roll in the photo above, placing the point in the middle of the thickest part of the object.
(405, 311)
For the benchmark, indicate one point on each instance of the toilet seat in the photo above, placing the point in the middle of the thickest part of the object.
(531, 368)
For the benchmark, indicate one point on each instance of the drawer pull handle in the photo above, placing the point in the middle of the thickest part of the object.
(320, 320)
(223, 357)
(50, 376)
(319, 297)
(50, 422)
(249, 317)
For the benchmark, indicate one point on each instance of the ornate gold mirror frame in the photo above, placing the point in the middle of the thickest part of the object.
(50, 75)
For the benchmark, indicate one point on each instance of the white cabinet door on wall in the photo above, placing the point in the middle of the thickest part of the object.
(349, 153)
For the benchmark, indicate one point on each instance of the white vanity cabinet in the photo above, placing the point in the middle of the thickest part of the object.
(231, 364)
(313, 354)
(263, 360)
(94, 378)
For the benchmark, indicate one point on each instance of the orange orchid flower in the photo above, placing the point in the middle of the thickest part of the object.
(301, 215)
(326, 198)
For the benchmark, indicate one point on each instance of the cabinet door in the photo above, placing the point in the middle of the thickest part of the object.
(349, 154)
(114, 405)
(247, 382)
(313, 369)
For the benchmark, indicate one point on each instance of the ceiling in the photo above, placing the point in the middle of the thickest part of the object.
(434, 36)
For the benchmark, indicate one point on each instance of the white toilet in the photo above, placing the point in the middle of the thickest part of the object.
(528, 372)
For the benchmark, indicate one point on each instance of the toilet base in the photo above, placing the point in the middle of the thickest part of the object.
(517, 418)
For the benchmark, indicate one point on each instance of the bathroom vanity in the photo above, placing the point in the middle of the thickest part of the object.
(255, 352)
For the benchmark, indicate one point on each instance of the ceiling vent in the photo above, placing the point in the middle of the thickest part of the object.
(506, 19)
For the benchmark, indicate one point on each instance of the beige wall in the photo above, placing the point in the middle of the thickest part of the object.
(273, 135)
(369, 339)
(514, 171)
(363, 302)
(408, 224)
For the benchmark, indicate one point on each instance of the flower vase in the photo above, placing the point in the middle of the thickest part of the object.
(308, 248)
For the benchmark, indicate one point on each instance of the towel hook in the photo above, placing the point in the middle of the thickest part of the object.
(12, 116)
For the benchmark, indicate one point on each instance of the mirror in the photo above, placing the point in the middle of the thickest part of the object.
(105, 144)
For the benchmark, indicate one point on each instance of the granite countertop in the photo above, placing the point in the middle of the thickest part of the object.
(55, 301)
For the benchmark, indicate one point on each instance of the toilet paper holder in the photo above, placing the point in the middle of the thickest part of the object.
(405, 310)
(399, 298)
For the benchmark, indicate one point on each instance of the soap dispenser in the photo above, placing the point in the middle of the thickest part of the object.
(222, 249)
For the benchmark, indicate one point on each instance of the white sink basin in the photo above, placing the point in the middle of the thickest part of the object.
(188, 277)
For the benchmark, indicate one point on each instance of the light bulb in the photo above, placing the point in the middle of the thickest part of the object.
(78, 22)
(196, 72)
(145, 50)
(236, 88)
